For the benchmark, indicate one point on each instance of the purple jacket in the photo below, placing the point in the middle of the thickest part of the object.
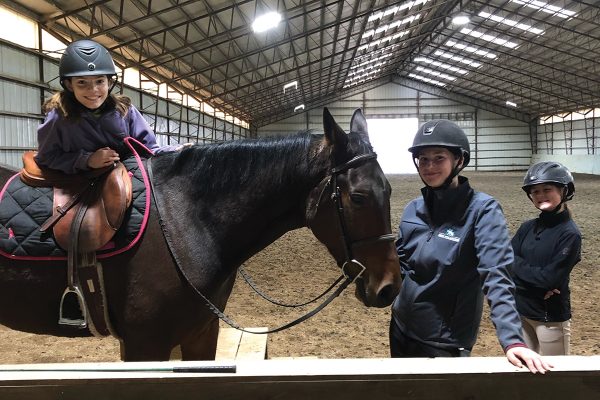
(66, 144)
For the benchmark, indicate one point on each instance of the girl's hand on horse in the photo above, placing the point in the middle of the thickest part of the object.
(183, 146)
(518, 356)
(103, 157)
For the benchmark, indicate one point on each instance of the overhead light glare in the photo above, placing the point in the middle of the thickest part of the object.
(511, 104)
(393, 10)
(355, 76)
(266, 21)
(366, 66)
(426, 79)
(470, 49)
(299, 108)
(461, 19)
(289, 85)
(488, 38)
(462, 60)
(392, 25)
(547, 8)
(512, 23)
(376, 61)
(371, 57)
(441, 65)
(436, 73)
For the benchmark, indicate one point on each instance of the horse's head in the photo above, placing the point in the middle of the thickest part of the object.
(349, 211)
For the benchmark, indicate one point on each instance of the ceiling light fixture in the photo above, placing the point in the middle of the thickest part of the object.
(289, 85)
(266, 21)
(461, 18)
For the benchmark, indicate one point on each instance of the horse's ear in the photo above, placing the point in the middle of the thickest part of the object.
(334, 134)
(358, 124)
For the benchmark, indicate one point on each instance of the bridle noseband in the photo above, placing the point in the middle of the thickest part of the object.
(331, 181)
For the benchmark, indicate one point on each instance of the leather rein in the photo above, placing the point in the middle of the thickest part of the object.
(330, 181)
(350, 262)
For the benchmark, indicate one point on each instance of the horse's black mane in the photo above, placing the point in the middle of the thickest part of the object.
(228, 166)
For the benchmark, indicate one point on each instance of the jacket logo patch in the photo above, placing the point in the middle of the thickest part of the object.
(449, 235)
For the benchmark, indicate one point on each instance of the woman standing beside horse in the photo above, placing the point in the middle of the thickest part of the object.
(453, 242)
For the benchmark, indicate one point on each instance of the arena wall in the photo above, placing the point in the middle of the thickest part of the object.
(498, 143)
(489, 378)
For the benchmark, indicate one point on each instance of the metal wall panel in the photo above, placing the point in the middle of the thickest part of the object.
(18, 64)
(19, 98)
(497, 143)
(578, 137)
(18, 133)
(22, 91)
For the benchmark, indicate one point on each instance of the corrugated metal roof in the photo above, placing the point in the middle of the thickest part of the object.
(540, 55)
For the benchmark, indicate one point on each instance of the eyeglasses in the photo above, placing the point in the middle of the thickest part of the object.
(436, 161)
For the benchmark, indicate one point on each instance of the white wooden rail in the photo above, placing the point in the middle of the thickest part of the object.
(489, 378)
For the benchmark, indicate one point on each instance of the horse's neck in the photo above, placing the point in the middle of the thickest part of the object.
(269, 211)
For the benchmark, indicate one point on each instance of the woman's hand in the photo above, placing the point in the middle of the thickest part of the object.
(183, 146)
(518, 356)
(551, 293)
(103, 157)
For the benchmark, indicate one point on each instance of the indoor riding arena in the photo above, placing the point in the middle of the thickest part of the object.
(519, 78)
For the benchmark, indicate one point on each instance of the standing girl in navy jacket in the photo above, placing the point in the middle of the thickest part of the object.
(546, 250)
(454, 247)
(85, 124)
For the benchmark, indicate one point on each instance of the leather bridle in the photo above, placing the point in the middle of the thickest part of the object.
(349, 263)
(348, 244)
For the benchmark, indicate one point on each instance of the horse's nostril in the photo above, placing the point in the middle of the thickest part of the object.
(387, 294)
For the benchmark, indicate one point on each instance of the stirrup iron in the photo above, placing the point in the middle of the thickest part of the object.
(73, 296)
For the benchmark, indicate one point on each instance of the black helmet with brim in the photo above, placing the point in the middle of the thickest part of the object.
(442, 133)
(85, 58)
(549, 172)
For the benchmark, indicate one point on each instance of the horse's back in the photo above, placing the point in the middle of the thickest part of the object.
(6, 171)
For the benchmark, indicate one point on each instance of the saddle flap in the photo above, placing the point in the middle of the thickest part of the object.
(117, 195)
(106, 203)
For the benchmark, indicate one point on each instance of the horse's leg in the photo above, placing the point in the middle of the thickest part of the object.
(144, 349)
(203, 345)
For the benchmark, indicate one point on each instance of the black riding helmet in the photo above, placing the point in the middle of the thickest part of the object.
(85, 58)
(550, 172)
(442, 133)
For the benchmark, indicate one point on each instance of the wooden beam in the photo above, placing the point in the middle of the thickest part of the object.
(489, 378)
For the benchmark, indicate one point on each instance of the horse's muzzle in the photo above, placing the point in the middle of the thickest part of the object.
(382, 297)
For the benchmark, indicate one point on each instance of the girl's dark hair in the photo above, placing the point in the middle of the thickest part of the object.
(67, 106)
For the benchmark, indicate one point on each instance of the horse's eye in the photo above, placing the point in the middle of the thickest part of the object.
(358, 199)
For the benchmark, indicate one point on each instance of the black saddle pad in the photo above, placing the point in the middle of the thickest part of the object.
(23, 209)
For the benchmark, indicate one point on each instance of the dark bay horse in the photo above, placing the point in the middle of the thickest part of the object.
(223, 203)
